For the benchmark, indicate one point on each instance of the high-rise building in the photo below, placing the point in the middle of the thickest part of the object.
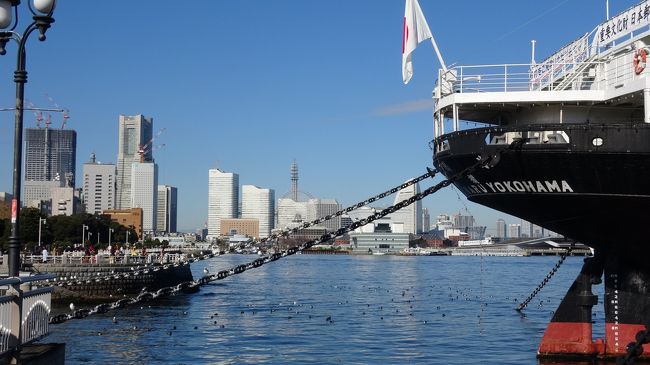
(411, 215)
(501, 228)
(167, 208)
(514, 230)
(144, 191)
(325, 207)
(135, 134)
(426, 220)
(98, 186)
(463, 222)
(50, 161)
(223, 199)
(260, 204)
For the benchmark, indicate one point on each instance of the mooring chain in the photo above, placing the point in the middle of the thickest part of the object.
(192, 286)
(635, 349)
(545, 281)
(287, 231)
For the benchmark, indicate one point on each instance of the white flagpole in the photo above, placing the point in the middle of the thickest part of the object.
(435, 47)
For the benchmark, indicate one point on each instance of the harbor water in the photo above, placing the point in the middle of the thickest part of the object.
(337, 309)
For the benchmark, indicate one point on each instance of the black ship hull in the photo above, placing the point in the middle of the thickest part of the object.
(593, 186)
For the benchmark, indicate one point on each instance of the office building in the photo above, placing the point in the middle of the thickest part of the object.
(501, 228)
(134, 145)
(514, 230)
(50, 161)
(249, 227)
(258, 203)
(130, 218)
(98, 186)
(410, 215)
(223, 199)
(167, 208)
(144, 191)
(426, 220)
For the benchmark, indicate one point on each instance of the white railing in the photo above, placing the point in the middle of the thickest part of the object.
(127, 259)
(6, 315)
(36, 313)
(32, 305)
(518, 77)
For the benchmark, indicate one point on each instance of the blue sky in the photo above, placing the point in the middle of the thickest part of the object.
(250, 85)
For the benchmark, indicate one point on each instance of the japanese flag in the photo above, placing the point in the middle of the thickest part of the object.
(416, 30)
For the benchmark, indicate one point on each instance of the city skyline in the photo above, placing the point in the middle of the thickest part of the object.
(313, 90)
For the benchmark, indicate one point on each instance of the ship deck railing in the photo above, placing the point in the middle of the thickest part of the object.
(24, 316)
(520, 78)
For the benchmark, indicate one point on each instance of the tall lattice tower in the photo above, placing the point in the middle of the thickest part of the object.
(294, 181)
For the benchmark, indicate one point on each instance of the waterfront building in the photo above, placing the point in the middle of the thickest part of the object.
(258, 203)
(378, 242)
(223, 199)
(144, 191)
(242, 226)
(346, 221)
(50, 161)
(134, 145)
(98, 186)
(501, 228)
(167, 209)
(130, 218)
(514, 230)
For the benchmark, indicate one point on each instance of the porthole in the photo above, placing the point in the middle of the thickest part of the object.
(597, 142)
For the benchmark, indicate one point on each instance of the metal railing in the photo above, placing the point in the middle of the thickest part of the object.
(24, 315)
(102, 259)
(518, 77)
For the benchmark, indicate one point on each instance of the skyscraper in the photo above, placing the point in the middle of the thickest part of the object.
(50, 161)
(260, 204)
(167, 208)
(144, 191)
(426, 220)
(98, 186)
(501, 228)
(411, 215)
(134, 145)
(223, 199)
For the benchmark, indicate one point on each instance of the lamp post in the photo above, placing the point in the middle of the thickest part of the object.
(42, 19)
(110, 230)
(83, 235)
(127, 238)
(40, 220)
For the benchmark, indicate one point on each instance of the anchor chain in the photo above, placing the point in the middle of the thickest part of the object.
(193, 286)
(635, 348)
(545, 281)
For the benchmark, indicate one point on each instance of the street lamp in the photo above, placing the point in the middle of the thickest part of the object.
(110, 230)
(83, 234)
(42, 19)
(40, 220)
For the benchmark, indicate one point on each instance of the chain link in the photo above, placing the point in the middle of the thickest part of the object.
(545, 281)
(194, 285)
(635, 348)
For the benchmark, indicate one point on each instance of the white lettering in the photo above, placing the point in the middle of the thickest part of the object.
(508, 186)
(529, 186)
(566, 188)
(491, 186)
(519, 186)
(540, 187)
(499, 187)
(552, 186)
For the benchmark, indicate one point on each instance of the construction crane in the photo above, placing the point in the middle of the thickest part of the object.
(143, 149)
(37, 114)
(65, 111)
